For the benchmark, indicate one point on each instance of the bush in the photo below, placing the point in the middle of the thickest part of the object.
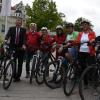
(1, 38)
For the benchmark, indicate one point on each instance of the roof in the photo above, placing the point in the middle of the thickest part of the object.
(16, 6)
(13, 8)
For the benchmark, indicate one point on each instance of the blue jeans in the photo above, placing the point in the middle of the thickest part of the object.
(74, 52)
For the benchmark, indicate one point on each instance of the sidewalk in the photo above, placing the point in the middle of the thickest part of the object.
(24, 91)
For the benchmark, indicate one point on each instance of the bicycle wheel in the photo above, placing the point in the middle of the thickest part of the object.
(89, 91)
(33, 70)
(41, 67)
(8, 75)
(39, 73)
(52, 76)
(1, 67)
(69, 80)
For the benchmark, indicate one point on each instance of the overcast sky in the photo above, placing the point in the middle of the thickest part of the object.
(74, 9)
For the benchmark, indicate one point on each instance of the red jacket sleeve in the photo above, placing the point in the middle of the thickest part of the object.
(79, 37)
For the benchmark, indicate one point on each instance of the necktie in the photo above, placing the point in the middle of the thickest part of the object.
(17, 35)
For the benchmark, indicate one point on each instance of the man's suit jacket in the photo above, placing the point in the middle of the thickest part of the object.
(12, 36)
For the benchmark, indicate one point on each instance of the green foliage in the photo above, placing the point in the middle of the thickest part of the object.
(44, 13)
(64, 26)
(29, 13)
(1, 38)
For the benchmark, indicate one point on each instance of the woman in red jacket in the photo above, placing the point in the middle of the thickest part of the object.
(46, 40)
(86, 51)
(45, 44)
(33, 42)
(59, 38)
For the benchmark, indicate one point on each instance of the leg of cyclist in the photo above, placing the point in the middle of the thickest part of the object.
(83, 63)
(85, 59)
(92, 60)
(28, 58)
(71, 54)
(20, 63)
(71, 57)
(15, 73)
(66, 57)
(15, 69)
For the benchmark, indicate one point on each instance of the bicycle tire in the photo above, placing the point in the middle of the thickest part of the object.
(9, 65)
(1, 69)
(81, 82)
(68, 77)
(39, 74)
(51, 85)
(33, 70)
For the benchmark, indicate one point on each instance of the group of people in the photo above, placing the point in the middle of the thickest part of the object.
(70, 45)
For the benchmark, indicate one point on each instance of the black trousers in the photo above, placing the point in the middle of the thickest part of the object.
(84, 60)
(29, 55)
(19, 56)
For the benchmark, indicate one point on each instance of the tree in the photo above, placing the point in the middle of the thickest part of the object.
(78, 23)
(29, 15)
(1, 39)
(44, 13)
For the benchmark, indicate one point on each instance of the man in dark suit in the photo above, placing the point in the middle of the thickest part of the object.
(17, 37)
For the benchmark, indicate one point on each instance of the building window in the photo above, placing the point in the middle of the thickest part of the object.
(3, 28)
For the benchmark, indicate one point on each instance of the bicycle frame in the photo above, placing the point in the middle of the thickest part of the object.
(36, 55)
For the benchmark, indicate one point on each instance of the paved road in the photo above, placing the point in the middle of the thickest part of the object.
(24, 91)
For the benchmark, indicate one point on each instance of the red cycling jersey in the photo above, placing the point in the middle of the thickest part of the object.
(33, 40)
(46, 43)
(59, 40)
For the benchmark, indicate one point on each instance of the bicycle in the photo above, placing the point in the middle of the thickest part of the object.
(5, 65)
(53, 73)
(71, 77)
(73, 74)
(39, 62)
(92, 73)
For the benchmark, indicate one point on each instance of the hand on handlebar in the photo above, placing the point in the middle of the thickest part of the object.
(60, 49)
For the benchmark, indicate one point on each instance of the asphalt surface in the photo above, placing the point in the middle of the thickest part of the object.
(24, 91)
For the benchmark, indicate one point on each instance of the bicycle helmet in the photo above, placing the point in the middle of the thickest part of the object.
(59, 27)
(69, 25)
(59, 30)
(44, 28)
(33, 24)
(86, 21)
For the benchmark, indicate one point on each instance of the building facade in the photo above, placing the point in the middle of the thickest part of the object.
(16, 11)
